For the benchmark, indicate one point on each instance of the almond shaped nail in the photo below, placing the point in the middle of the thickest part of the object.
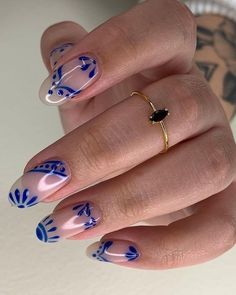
(68, 222)
(40, 182)
(113, 251)
(69, 80)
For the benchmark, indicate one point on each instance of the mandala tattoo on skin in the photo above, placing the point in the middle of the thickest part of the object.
(223, 41)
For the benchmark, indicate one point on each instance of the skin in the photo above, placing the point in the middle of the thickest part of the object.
(216, 57)
(110, 132)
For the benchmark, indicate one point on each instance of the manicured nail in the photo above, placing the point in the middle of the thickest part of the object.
(69, 80)
(39, 183)
(113, 251)
(58, 52)
(68, 222)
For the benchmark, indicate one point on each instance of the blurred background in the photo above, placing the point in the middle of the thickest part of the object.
(28, 267)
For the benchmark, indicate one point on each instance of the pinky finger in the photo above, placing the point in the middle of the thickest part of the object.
(208, 233)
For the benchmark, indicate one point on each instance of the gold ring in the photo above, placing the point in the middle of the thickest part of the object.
(157, 117)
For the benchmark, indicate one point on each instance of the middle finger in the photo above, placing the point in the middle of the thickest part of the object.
(117, 140)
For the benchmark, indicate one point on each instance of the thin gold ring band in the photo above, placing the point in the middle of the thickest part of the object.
(157, 117)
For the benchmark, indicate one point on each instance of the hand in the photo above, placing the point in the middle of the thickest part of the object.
(109, 167)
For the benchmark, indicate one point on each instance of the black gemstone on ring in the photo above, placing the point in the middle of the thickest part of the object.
(159, 115)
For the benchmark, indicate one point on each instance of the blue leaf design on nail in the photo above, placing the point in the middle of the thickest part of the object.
(92, 73)
(132, 253)
(83, 57)
(85, 67)
(84, 209)
(22, 200)
(91, 223)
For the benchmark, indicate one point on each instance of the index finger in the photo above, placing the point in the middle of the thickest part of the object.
(122, 47)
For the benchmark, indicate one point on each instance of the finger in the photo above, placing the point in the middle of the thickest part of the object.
(57, 40)
(159, 186)
(199, 238)
(97, 150)
(122, 47)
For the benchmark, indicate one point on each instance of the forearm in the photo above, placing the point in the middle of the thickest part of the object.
(216, 57)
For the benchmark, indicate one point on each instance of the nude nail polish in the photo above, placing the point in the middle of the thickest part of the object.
(113, 251)
(38, 183)
(58, 52)
(69, 80)
(68, 222)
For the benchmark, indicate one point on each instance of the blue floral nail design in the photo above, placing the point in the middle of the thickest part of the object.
(46, 230)
(106, 252)
(67, 222)
(22, 199)
(38, 183)
(99, 255)
(69, 79)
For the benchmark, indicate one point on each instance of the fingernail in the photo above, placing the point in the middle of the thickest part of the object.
(68, 222)
(58, 52)
(113, 251)
(39, 183)
(69, 80)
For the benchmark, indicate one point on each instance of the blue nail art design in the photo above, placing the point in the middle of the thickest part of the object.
(85, 209)
(59, 51)
(46, 230)
(22, 199)
(102, 250)
(61, 48)
(57, 84)
(102, 253)
(77, 219)
(51, 167)
(132, 253)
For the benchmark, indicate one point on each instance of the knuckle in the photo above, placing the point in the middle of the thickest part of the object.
(172, 259)
(220, 158)
(99, 148)
(192, 103)
(132, 202)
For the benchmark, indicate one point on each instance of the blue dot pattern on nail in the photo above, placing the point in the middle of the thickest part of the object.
(130, 255)
(102, 249)
(85, 209)
(60, 89)
(61, 48)
(51, 167)
(46, 231)
(22, 199)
